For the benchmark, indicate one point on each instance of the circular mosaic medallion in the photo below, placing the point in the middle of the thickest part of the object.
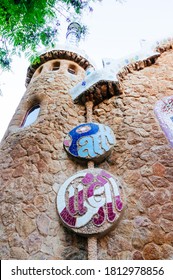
(90, 202)
(90, 141)
(164, 113)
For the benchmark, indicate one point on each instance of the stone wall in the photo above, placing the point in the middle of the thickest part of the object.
(32, 159)
(143, 159)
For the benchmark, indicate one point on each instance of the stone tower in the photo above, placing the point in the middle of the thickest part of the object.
(35, 167)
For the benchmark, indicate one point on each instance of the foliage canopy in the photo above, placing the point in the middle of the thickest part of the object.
(26, 24)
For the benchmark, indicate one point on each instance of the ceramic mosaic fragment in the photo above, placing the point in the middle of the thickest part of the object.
(164, 113)
(90, 141)
(90, 202)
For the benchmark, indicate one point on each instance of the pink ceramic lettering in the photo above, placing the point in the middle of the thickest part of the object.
(66, 217)
(71, 205)
(111, 214)
(88, 179)
(82, 209)
(118, 203)
(101, 217)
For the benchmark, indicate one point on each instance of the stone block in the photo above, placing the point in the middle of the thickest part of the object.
(41, 202)
(141, 237)
(147, 198)
(158, 169)
(43, 223)
(167, 211)
(18, 253)
(137, 255)
(24, 225)
(152, 252)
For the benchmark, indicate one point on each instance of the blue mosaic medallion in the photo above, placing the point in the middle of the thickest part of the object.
(90, 141)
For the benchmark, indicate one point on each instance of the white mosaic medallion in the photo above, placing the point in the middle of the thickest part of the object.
(90, 202)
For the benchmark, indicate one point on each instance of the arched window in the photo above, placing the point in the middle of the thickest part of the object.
(72, 69)
(40, 69)
(56, 66)
(31, 116)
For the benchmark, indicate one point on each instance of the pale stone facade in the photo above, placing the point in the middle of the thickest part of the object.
(32, 160)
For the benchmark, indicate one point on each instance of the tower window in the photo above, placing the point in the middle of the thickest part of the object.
(40, 69)
(55, 66)
(72, 69)
(31, 116)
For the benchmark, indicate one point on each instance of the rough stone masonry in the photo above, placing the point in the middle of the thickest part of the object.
(32, 160)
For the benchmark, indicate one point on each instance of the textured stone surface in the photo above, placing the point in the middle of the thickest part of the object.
(33, 242)
(33, 165)
(18, 253)
(152, 252)
(141, 237)
(24, 225)
(143, 159)
(43, 223)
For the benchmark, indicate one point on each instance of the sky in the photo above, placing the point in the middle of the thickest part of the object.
(115, 31)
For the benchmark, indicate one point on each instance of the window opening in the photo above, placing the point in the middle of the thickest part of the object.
(31, 116)
(55, 66)
(40, 69)
(72, 69)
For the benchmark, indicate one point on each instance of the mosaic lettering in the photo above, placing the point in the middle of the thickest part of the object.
(90, 141)
(90, 196)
